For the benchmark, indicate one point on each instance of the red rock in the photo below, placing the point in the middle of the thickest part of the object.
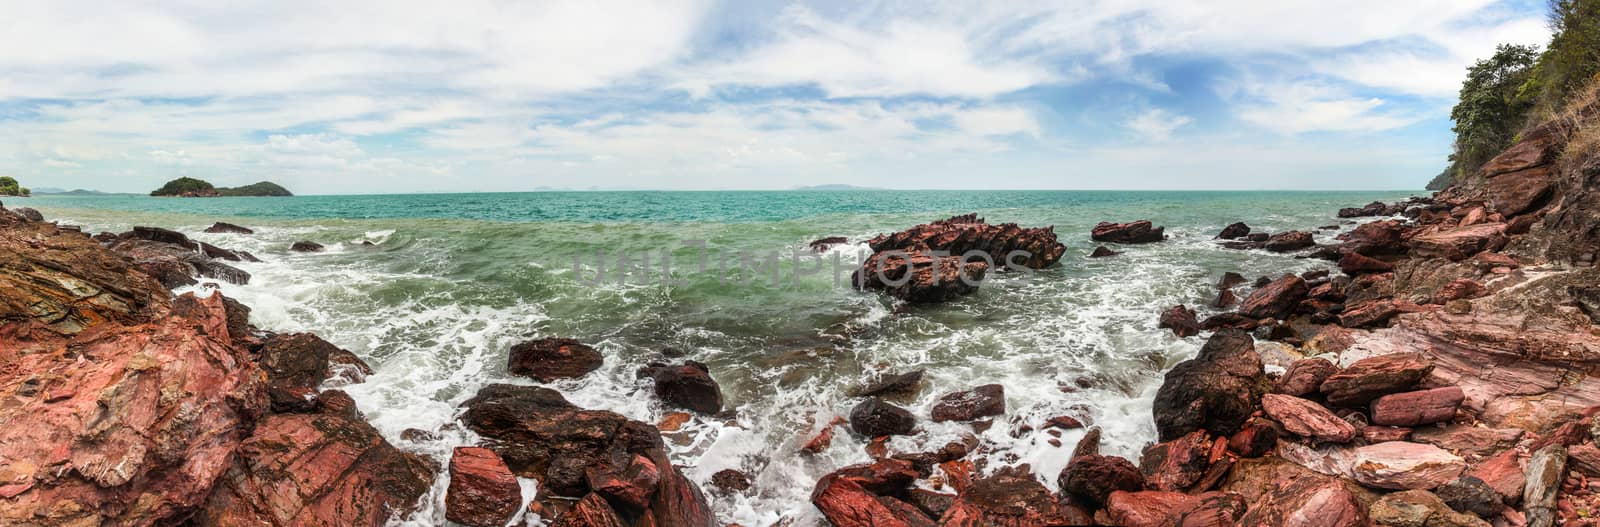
(1503, 472)
(1377, 238)
(1379, 434)
(591, 511)
(1181, 320)
(1094, 477)
(1276, 299)
(1417, 408)
(549, 359)
(1402, 465)
(983, 401)
(1370, 378)
(1141, 231)
(1459, 243)
(1255, 439)
(1307, 419)
(688, 386)
(1006, 499)
(483, 492)
(325, 469)
(1354, 263)
(1148, 508)
(960, 234)
(1216, 391)
(1289, 241)
(1175, 465)
(1460, 288)
(916, 276)
(1305, 376)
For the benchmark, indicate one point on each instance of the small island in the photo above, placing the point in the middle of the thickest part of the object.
(187, 187)
(10, 187)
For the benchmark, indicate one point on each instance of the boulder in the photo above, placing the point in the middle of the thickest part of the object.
(1370, 378)
(1291, 241)
(874, 417)
(1233, 231)
(983, 401)
(688, 386)
(482, 491)
(1216, 391)
(306, 247)
(1094, 477)
(1176, 465)
(1354, 263)
(1307, 419)
(1181, 320)
(1402, 465)
(1141, 231)
(227, 228)
(549, 359)
(1304, 376)
(1277, 299)
(1417, 408)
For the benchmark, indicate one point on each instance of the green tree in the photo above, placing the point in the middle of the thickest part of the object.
(1492, 105)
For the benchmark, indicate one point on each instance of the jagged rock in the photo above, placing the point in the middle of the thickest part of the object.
(1233, 231)
(874, 417)
(1304, 376)
(959, 235)
(482, 492)
(1216, 391)
(1417, 408)
(1177, 464)
(550, 359)
(1421, 509)
(983, 401)
(1370, 378)
(1307, 419)
(229, 228)
(1181, 320)
(306, 247)
(1401, 465)
(1094, 477)
(1289, 241)
(1141, 231)
(688, 386)
(891, 384)
(1276, 299)
(1547, 469)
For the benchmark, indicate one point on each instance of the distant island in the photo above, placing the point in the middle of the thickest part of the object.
(187, 187)
(10, 187)
(835, 186)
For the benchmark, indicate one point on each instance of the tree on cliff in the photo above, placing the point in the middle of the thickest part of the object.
(10, 187)
(185, 185)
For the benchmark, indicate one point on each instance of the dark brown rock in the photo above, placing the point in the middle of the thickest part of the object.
(549, 359)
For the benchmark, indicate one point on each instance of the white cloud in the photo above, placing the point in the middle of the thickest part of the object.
(1157, 124)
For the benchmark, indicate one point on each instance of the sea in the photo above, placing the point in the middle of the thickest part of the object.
(433, 289)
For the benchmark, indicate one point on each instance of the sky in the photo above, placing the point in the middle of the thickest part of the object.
(426, 96)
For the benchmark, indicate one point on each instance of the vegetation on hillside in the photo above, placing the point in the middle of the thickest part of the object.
(1520, 87)
(191, 187)
(10, 187)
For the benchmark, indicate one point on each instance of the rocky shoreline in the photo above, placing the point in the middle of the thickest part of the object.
(1437, 374)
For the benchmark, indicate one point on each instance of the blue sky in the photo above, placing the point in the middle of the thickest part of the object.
(497, 96)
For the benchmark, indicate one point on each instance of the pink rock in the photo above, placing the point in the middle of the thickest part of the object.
(1417, 408)
(1307, 419)
(1402, 465)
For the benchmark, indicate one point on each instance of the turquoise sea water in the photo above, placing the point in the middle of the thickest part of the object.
(451, 281)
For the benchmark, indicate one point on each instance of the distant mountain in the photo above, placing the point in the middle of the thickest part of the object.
(187, 187)
(836, 186)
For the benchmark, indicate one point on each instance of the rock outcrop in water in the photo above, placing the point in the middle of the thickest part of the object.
(939, 261)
